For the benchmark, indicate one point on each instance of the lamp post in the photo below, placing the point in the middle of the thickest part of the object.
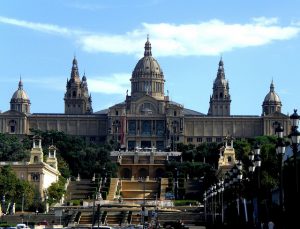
(143, 181)
(23, 202)
(205, 199)
(280, 151)
(116, 127)
(254, 166)
(174, 130)
(176, 184)
(220, 191)
(239, 178)
(295, 139)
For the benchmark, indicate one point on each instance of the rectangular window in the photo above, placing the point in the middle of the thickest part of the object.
(199, 139)
(160, 127)
(12, 129)
(131, 145)
(131, 127)
(208, 139)
(189, 139)
(218, 139)
(146, 127)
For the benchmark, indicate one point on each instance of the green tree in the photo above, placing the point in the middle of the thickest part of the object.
(56, 190)
(14, 189)
(11, 149)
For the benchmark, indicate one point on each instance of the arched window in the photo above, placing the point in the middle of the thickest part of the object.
(143, 173)
(229, 159)
(36, 159)
(12, 126)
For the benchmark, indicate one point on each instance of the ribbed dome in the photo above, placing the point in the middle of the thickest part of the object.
(20, 94)
(147, 76)
(272, 95)
(147, 65)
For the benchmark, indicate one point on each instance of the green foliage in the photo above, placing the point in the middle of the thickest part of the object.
(185, 202)
(242, 149)
(56, 190)
(12, 149)
(13, 188)
(104, 194)
(75, 202)
(75, 156)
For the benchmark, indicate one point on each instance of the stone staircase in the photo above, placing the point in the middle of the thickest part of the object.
(113, 188)
(189, 218)
(133, 190)
(86, 218)
(163, 185)
(192, 187)
(135, 218)
(80, 190)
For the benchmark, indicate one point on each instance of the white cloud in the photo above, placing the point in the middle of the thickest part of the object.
(117, 83)
(41, 27)
(265, 21)
(204, 38)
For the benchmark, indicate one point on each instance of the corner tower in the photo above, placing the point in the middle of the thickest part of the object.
(272, 102)
(219, 104)
(77, 98)
(20, 100)
(147, 76)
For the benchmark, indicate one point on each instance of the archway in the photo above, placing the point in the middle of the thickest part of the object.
(159, 173)
(126, 173)
(143, 173)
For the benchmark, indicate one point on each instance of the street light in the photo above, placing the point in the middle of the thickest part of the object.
(295, 138)
(205, 199)
(220, 191)
(280, 151)
(176, 184)
(143, 181)
(116, 126)
(254, 166)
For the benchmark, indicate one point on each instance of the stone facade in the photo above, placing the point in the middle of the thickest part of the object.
(36, 171)
(147, 117)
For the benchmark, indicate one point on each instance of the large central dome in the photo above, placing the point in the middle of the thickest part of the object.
(147, 76)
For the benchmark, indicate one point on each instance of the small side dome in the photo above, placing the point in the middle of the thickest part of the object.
(272, 102)
(20, 100)
(20, 94)
(272, 96)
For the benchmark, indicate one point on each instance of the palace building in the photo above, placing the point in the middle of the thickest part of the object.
(147, 118)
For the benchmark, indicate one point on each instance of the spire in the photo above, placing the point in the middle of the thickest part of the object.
(84, 77)
(221, 73)
(74, 72)
(20, 84)
(272, 86)
(147, 47)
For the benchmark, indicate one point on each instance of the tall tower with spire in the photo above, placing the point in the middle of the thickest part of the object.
(20, 100)
(77, 98)
(272, 102)
(147, 76)
(219, 104)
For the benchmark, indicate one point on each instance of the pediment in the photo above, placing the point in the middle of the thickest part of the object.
(277, 115)
(147, 98)
(13, 113)
(146, 105)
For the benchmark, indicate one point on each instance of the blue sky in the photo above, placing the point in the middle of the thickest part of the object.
(258, 41)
